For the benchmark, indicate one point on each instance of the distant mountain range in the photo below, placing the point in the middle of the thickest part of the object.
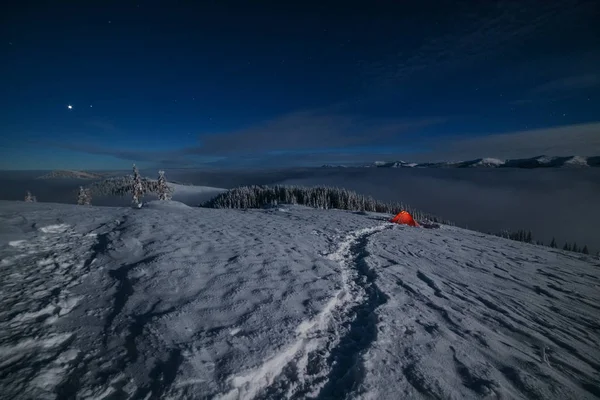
(529, 163)
(68, 174)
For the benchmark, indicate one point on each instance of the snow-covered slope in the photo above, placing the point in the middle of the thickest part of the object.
(176, 302)
(106, 191)
(576, 161)
(488, 162)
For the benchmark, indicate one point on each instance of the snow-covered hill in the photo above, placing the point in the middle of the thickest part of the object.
(176, 302)
(486, 162)
(109, 190)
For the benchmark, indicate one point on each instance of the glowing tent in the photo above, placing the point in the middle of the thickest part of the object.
(404, 218)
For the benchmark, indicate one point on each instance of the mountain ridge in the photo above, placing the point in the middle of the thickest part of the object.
(541, 161)
(71, 174)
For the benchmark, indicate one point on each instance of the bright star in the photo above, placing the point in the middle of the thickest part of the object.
(70, 107)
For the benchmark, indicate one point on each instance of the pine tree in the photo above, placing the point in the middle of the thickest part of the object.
(529, 237)
(553, 243)
(138, 188)
(29, 198)
(318, 197)
(164, 191)
(84, 197)
(585, 250)
(575, 248)
(566, 247)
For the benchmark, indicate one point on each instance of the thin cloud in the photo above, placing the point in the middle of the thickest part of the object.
(478, 33)
(312, 130)
(569, 83)
(288, 139)
(580, 139)
(559, 89)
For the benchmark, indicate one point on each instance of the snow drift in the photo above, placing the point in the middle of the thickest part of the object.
(171, 301)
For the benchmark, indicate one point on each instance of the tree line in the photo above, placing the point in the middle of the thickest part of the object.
(322, 197)
(526, 236)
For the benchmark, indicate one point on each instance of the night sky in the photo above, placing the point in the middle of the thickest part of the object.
(215, 84)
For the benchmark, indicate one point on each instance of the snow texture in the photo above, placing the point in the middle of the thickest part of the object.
(171, 301)
(488, 162)
(576, 161)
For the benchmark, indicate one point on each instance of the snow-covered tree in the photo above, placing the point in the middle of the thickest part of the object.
(137, 188)
(29, 198)
(317, 197)
(84, 197)
(164, 191)
(529, 238)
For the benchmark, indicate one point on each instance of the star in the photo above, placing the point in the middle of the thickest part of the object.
(70, 107)
(90, 106)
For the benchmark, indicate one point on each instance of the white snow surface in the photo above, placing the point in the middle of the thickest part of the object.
(171, 301)
(488, 162)
(545, 159)
(576, 161)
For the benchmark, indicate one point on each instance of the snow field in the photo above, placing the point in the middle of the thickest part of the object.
(171, 301)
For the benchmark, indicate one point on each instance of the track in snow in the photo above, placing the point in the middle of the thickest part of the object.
(324, 360)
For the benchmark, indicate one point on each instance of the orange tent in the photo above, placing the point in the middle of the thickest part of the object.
(404, 218)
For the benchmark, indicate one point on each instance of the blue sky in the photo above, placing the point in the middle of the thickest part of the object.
(229, 84)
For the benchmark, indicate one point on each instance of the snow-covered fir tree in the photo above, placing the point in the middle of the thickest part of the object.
(29, 198)
(164, 191)
(137, 188)
(317, 197)
(84, 197)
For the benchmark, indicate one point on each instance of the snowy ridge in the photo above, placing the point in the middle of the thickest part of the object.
(534, 162)
(488, 162)
(170, 301)
(576, 161)
(312, 335)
